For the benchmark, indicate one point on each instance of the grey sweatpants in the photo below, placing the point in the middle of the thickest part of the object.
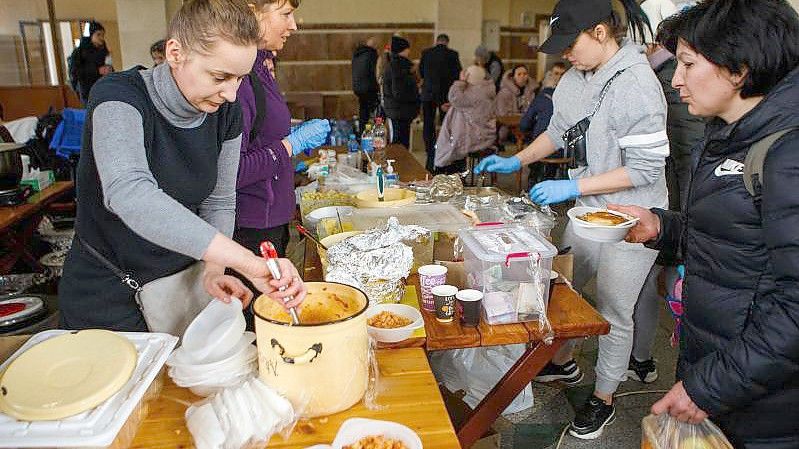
(648, 308)
(620, 270)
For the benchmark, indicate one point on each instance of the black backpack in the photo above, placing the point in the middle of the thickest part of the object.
(73, 61)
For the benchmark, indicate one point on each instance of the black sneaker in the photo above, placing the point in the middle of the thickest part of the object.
(645, 371)
(568, 373)
(591, 419)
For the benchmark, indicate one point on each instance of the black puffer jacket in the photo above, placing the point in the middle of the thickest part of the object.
(364, 65)
(739, 355)
(400, 93)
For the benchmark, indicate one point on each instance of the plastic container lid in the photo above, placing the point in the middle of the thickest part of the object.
(67, 375)
(435, 217)
(496, 243)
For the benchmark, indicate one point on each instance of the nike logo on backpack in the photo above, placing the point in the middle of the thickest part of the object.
(729, 167)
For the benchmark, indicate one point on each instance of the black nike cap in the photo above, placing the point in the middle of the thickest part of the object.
(569, 19)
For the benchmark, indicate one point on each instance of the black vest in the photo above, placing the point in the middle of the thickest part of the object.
(184, 164)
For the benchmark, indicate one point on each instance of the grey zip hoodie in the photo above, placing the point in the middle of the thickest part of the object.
(628, 130)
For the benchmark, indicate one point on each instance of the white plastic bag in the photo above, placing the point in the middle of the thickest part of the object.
(477, 370)
(665, 432)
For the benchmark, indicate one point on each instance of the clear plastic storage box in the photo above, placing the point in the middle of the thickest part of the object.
(510, 264)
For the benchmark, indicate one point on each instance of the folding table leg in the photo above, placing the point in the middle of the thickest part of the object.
(479, 420)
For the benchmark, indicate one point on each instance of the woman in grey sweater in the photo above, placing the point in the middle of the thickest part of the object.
(623, 160)
(156, 185)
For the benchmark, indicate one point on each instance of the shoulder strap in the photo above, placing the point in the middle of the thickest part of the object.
(124, 277)
(604, 92)
(756, 158)
(260, 105)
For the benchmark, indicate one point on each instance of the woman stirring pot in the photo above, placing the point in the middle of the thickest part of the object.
(157, 174)
(609, 108)
(265, 186)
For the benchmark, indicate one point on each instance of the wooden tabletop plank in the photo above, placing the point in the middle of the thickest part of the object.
(571, 316)
(10, 215)
(408, 394)
(502, 334)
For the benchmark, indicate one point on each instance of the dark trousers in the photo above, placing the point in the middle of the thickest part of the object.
(429, 111)
(368, 103)
(251, 239)
(402, 132)
(451, 169)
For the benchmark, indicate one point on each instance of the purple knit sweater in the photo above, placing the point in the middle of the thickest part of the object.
(265, 186)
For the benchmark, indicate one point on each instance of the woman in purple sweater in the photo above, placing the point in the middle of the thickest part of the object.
(265, 201)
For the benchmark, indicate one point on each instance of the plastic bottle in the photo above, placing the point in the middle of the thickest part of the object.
(391, 177)
(380, 136)
(367, 140)
(354, 152)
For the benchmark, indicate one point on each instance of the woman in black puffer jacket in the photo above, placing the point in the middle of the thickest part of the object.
(739, 350)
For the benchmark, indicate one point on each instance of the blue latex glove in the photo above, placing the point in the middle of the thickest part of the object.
(300, 167)
(497, 164)
(551, 192)
(308, 136)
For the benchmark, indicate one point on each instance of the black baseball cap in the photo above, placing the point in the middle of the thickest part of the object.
(569, 19)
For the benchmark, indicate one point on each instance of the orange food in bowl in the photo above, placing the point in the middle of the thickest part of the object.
(388, 320)
(603, 218)
(376, 442)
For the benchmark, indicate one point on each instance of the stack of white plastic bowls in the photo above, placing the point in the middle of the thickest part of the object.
(216, 352)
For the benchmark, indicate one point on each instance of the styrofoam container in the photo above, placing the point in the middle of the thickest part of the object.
(96, 428)
(353, 429)
(596, 232)
(398, 333)
(498, 259)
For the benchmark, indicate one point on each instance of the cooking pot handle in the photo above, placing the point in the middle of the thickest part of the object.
(303, 359)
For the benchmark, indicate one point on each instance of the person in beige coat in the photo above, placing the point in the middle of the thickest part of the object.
(516, 92)
(470, 124)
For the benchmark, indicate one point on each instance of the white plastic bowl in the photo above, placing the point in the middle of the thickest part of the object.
(398, 333)
(237, 358)
(316, 215)
(214, 332)
(599, 233)
(354, 429)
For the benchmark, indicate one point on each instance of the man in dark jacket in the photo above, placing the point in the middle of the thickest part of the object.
(364, 78)
(400, 92)
(89, 61)
(439, 68)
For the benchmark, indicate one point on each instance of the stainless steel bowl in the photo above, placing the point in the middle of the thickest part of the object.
(10, 166)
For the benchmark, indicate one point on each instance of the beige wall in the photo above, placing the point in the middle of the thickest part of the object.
(367, 11)
(462, 20)
(795, 4)
(172, 6)
(144, 22)
(509, 12)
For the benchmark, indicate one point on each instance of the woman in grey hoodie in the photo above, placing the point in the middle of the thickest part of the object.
(623, 159)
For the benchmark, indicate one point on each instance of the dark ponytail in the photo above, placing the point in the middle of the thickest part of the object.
(636, 21)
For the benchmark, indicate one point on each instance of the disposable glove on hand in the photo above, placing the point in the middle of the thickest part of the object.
(497, 164)
(308, 136)
(551, 192)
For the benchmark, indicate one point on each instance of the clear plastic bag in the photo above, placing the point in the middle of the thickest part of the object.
(665, 432)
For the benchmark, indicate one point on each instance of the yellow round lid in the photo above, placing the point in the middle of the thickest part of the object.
(391, 198)
(66, 375)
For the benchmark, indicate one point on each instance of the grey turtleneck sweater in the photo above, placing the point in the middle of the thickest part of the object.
(131, 191)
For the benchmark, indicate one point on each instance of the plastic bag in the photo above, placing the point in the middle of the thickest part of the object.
(477, 370)
(244, 416)
(665, 432)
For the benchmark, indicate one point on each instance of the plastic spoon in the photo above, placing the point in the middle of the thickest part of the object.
(269, 253)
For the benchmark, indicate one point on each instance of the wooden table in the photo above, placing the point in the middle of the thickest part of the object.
(513, 123)
(18, 223)
(408, 395)
(569, 314)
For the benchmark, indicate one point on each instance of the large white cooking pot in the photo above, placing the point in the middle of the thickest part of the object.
(321, 366)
